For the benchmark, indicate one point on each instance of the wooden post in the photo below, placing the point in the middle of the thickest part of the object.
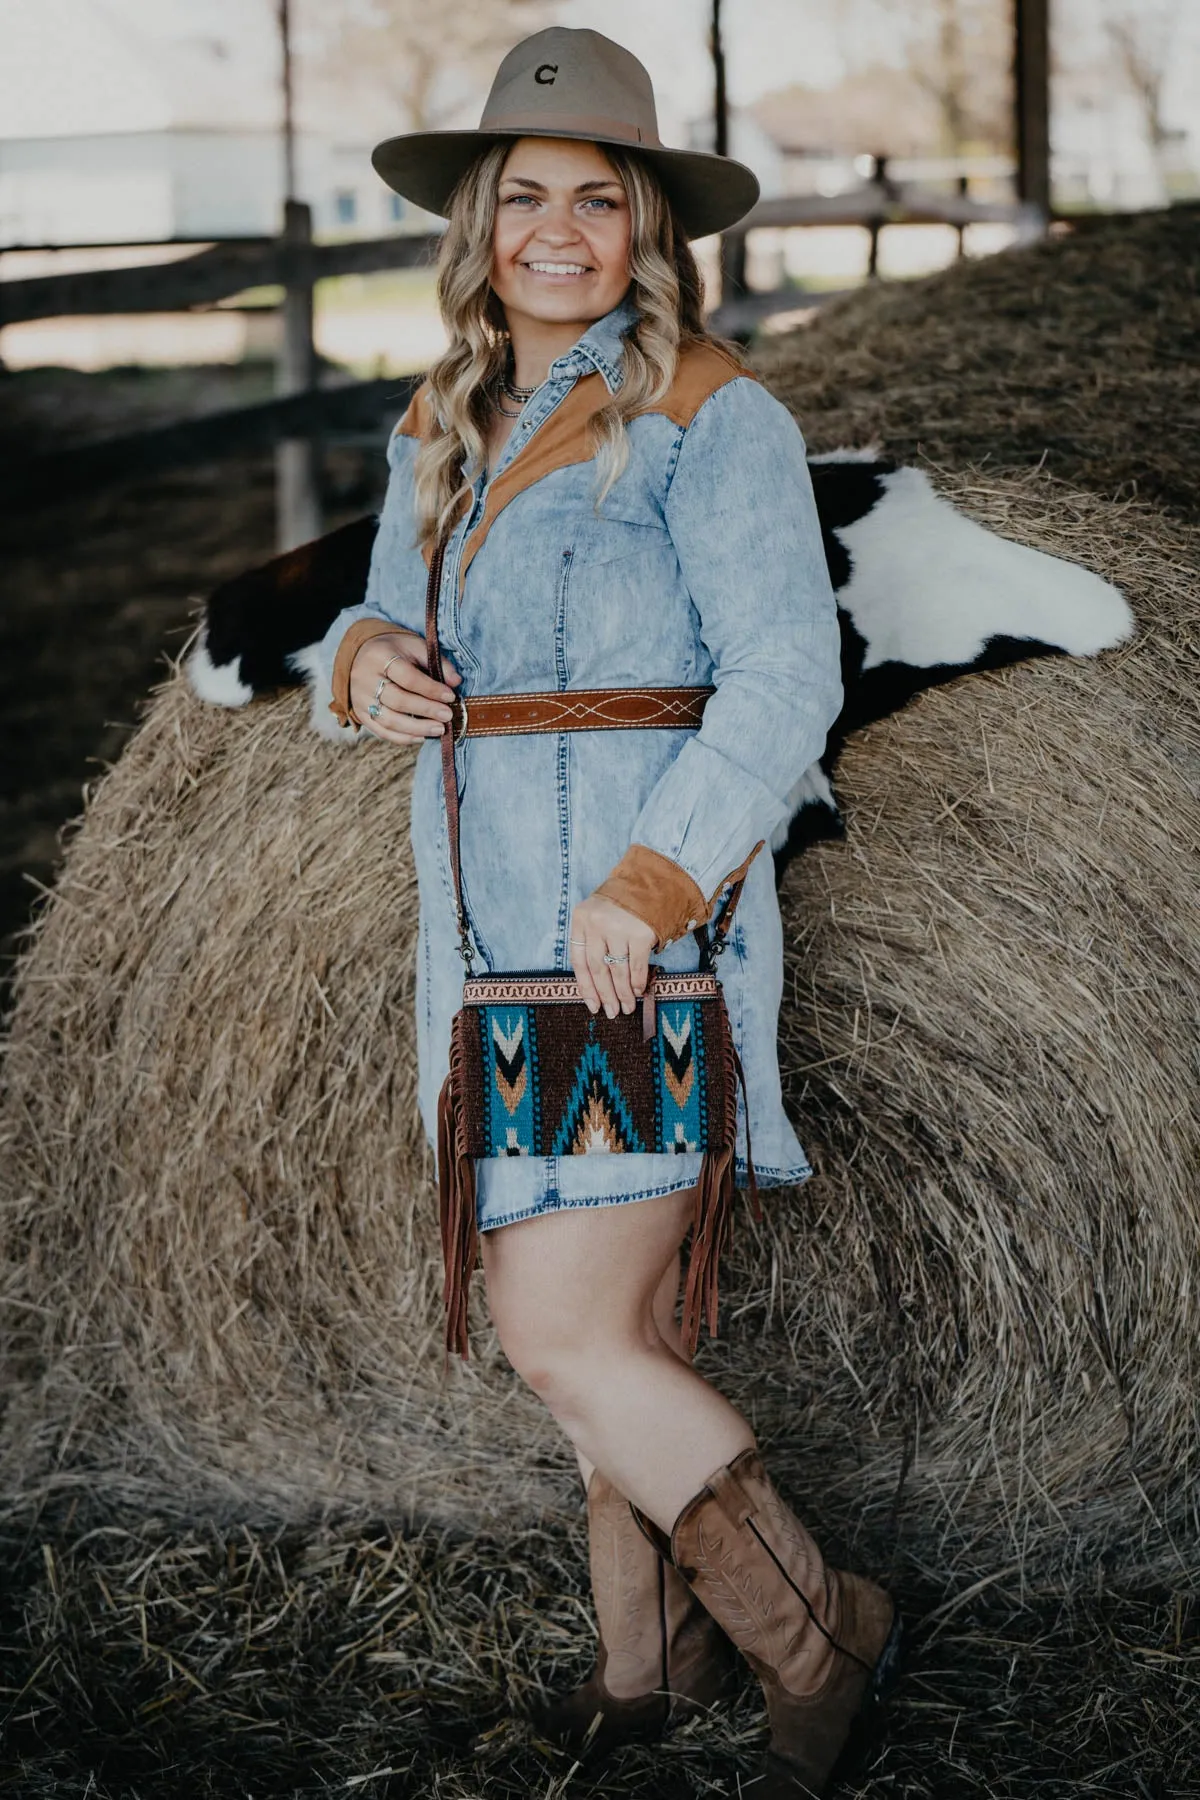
(878, 178)
(297, 499)
(1031, 91)
(733, 244)
(298, 509)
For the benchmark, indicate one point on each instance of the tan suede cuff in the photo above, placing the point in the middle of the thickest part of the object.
(657, 891)
(356, 636)
(662, 894)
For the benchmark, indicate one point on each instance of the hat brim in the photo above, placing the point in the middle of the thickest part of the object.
(706, 192)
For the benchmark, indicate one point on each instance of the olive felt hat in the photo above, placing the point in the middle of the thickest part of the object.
(573, 84)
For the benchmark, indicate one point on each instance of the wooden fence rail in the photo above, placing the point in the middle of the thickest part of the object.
(206, 277)
(223, 270)
(356, 406)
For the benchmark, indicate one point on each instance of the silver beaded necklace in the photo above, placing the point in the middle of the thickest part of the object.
(511, 391)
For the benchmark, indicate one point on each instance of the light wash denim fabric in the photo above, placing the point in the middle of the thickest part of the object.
(704, 566)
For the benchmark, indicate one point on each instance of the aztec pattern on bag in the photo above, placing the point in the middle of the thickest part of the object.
(528, 1058)
(555, 1080)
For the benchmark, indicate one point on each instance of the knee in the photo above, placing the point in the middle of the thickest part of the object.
(564, 1355)
(556, 1373)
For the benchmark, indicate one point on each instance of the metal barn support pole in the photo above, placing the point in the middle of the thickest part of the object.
(1031, 92)
(297, 501)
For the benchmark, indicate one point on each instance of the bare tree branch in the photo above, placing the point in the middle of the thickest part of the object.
(1142, 39)
(959, 52)
(423, 55)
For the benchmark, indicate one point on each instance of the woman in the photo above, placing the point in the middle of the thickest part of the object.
(626, 507)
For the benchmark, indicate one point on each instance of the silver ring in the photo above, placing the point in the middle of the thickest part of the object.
(577, 940)
(395, 657)
(616, 959)
(374, 709)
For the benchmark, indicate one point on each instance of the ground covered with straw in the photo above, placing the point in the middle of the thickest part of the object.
(137, 1664)
(258, 1544)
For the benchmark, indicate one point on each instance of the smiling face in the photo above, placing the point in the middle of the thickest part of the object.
(560, 245)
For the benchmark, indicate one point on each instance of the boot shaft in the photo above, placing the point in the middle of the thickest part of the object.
(648, 1616)
(817, 1639)
(737, 1543)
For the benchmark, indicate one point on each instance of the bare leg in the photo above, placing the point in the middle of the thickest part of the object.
(572, 1294)
(665, 1308)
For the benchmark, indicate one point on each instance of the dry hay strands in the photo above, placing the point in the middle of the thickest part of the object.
(1080, 351)
(222, 1281)
(989, 1037)
(968, 1343)
(214, 1663)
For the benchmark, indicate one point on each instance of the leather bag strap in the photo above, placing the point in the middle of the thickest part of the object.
(708, 947)
(433, 657)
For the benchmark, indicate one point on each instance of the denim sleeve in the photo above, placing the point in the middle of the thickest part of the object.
(395, 590)
(741, 513)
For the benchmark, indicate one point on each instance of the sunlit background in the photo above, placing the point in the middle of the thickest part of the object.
(157, 124)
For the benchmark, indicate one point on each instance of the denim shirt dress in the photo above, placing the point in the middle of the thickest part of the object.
(703, 566)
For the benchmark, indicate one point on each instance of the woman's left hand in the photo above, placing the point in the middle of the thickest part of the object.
(601, 925)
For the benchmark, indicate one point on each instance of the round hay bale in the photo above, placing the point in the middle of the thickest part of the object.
(219, 1215)
(968, 1340)
(1079, 353)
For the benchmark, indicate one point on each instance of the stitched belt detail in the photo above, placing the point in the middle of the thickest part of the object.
(577, 709)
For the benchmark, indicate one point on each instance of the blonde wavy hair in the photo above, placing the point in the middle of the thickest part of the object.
(666, 291)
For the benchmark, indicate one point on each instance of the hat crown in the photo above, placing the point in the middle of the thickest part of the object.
(568, 82)
(574, 79)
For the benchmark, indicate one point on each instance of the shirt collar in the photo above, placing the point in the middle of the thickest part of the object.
(600, 347)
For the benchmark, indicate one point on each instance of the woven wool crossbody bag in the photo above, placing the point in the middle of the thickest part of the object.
(533, 1072)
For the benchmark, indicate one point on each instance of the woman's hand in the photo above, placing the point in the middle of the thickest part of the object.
(597, 925)
(413, 706)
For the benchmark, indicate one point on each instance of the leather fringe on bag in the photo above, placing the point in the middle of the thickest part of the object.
(456, 1204)
(456, 1149)
(712, 1220)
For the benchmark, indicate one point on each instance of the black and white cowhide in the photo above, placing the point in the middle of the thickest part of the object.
(924, 595)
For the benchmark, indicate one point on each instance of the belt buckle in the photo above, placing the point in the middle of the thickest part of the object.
(458, 718)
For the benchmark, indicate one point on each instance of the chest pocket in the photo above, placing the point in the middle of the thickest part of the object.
(623, 594)
(623, 530)
(608, 540)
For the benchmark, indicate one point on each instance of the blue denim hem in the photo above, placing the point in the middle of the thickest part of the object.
(766, 1178)
(769, 1178)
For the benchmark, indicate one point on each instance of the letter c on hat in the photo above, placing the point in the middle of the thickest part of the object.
(544, 74)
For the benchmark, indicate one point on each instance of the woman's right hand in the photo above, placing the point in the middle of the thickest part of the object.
(412, 706)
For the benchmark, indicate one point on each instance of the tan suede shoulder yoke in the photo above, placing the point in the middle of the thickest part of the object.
(564, 437)
(702, 369)
(417, 416)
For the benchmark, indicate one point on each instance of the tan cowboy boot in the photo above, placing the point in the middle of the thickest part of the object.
(823, 1643)
(653, 1631)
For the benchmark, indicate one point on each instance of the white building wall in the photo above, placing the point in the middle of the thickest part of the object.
(225, 184)
(151, 186)
(139, 187)
(84, 190)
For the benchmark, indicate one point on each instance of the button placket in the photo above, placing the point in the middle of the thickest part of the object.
(528, 423)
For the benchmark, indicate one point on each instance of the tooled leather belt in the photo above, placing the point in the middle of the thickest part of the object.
(576, 709)
(566, 709)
